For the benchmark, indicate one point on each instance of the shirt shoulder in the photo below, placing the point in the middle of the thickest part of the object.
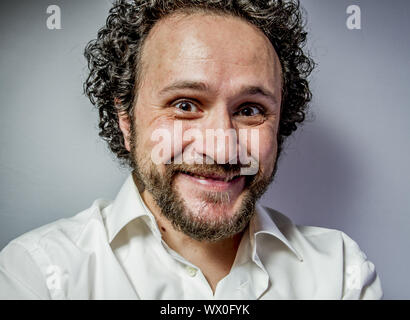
(315, 235)
(28, 262)
(71, 228)
(333, 248)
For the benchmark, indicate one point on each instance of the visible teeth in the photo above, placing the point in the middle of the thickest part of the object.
(227, 179)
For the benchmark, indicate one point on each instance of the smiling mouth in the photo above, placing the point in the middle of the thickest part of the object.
(212, 176)
(212, 182)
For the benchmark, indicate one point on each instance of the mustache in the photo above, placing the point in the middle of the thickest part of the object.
(226, 169)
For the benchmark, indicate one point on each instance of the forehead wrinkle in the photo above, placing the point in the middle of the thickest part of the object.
(244, 90)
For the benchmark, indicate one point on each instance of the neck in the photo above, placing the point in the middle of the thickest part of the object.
(214, 259)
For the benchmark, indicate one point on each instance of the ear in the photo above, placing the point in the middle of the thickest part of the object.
(125, 127)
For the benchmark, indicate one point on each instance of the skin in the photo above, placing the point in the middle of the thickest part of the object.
(226, 55)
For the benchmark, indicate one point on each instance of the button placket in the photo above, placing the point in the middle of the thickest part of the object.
(192, 272)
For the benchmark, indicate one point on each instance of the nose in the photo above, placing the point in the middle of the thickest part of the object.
(221, 138)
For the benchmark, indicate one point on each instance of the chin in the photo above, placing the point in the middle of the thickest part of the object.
(212, 207)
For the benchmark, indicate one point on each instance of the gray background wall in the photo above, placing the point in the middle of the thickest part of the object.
(347, 168)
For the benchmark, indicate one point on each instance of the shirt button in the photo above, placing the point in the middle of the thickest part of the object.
(191, 271)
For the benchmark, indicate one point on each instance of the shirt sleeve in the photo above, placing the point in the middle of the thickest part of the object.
(361, 280)
(20, 277)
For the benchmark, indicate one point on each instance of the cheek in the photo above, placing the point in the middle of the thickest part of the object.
(267, 149)
(160, 140)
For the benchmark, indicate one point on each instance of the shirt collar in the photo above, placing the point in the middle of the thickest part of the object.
(263, 223)
(128, 205)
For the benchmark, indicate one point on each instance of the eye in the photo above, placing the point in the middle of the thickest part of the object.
(186, 106)
(249, 111)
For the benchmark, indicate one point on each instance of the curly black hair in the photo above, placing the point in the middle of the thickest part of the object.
(114, 57)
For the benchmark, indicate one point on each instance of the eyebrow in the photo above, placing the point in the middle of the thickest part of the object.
(185, 84)
(201, 86)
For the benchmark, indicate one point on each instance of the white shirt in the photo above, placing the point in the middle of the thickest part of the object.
(114, 250)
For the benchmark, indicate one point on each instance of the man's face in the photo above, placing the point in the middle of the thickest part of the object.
(203, 72)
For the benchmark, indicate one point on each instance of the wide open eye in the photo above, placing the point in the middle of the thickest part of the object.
(186, 106)
(249, 111)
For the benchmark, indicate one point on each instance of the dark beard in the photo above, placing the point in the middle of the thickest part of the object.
(173, 207)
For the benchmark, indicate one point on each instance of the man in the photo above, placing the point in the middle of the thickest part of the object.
(197, 98)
